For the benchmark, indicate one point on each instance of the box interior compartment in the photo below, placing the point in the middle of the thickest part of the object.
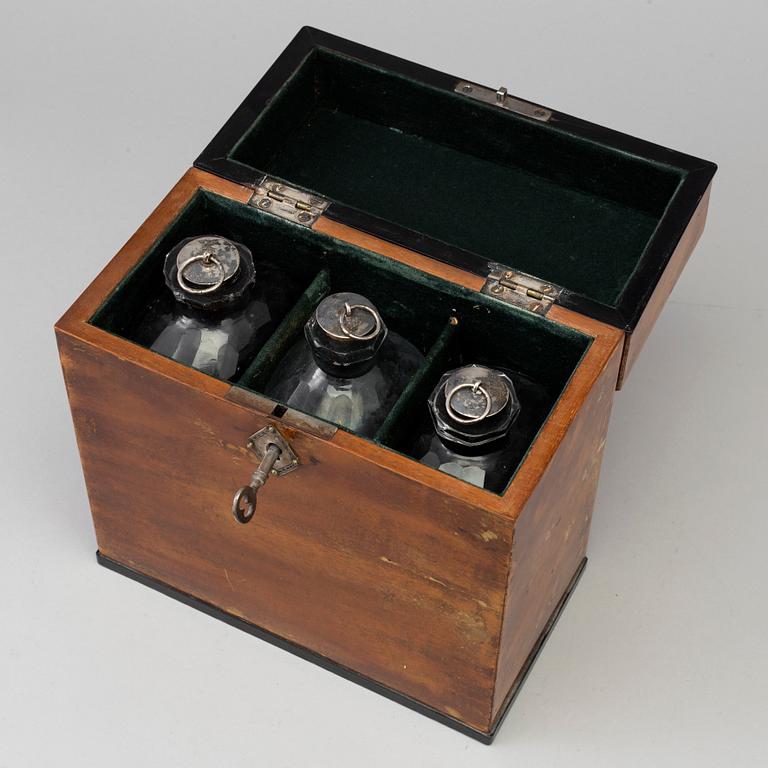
(562, 207)
(449, 324)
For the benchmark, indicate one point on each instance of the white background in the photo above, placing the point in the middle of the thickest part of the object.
(659, 659)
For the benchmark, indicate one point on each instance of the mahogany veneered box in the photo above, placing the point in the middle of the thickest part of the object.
(486, 229)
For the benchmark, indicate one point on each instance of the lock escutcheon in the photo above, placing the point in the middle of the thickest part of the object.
(276, 458)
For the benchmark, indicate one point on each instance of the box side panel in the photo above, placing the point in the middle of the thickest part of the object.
(634, 341)
(551, 533)
(370, 568)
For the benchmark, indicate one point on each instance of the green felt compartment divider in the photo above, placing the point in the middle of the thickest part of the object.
(258, 372)
(414, 396)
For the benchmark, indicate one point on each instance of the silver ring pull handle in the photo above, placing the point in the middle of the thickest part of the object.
(476, 388)
(277, 458)
(347, 313)
(207, 258)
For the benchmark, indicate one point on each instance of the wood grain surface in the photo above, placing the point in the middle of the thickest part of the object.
(411, 577)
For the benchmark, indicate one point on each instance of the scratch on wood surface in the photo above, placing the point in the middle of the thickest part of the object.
(205, 427)
(229, 581)
(385, 559)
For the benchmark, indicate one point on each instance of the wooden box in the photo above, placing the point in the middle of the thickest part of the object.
(486, 227)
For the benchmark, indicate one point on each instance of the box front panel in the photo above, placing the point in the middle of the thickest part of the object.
(372, 569)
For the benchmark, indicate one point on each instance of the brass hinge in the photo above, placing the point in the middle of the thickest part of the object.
(500, 98)
(292, 203)
(520, 289)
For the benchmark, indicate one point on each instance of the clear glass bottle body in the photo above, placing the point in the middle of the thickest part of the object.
(217, 342)
(487, 470)
(359, 403)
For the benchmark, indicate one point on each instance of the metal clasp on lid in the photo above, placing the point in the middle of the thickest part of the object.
(500, 98)
(520, 289)
(288, 202)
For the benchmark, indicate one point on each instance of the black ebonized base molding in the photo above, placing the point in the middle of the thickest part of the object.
(350, 674)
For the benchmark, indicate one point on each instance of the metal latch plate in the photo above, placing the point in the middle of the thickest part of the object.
(520, 289)
(500, 98)
(260, 441)
(297, 205)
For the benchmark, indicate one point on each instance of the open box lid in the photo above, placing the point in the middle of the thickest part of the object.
(467, 175)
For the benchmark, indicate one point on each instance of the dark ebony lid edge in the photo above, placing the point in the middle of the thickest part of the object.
(625, 314)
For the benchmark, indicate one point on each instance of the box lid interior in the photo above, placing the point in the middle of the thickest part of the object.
(407, 154)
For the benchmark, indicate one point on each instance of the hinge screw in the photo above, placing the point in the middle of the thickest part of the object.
(304, 217)
(508, 275)
(265, 203)
(497, 288)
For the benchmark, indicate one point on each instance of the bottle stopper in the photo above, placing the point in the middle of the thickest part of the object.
(209, 271)
(345, 333)
(473, 405)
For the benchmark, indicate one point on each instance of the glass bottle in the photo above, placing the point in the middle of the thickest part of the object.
(473, 436)
(349, 368)
(216, 315)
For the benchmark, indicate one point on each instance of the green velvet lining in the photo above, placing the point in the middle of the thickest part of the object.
(258, 373)
(451, 325)
(409, 406)
(565, 209)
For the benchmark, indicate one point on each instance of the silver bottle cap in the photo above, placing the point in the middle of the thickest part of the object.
(206, 263)
(473, 405)
(475, 393)
(345, 332)
(349, 317)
